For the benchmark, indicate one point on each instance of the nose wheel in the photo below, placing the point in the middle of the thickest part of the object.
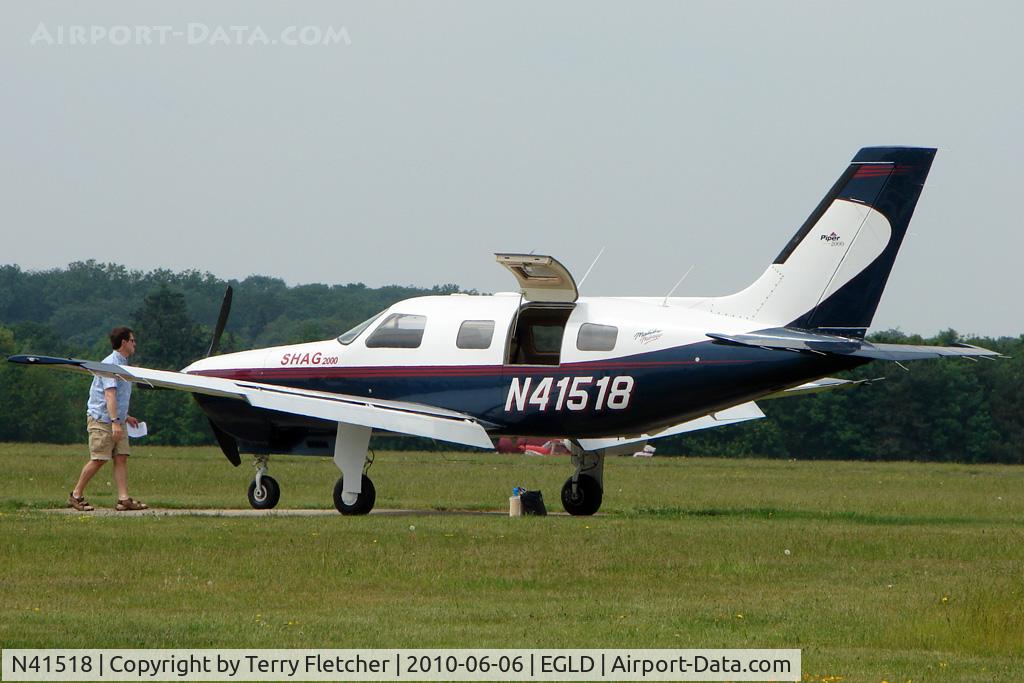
(265, 494)
(264, 491)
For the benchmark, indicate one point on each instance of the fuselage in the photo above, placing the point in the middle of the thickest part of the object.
(598, 367)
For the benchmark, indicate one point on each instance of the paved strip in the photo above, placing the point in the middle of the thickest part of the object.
(197, 512)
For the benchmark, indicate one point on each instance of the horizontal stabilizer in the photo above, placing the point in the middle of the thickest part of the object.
(740, 413)
(787, 339)
(818, 386)
(901, 352)
(393, 416)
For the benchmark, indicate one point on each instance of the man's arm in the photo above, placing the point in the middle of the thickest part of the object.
(110, 395)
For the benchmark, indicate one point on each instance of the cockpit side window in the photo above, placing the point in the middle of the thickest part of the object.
(350, 336)
(398, 331)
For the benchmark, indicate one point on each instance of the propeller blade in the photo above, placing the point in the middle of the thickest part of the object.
(222, 320)
(227, 444)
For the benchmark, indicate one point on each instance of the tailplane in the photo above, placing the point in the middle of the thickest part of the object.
(831, 274)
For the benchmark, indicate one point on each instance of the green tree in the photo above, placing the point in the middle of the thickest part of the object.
(168, 337)
(38, 406)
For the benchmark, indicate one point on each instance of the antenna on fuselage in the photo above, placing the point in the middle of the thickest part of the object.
(596, 259)
(676, 286)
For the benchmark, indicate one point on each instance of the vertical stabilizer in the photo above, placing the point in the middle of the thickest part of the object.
(831, 274)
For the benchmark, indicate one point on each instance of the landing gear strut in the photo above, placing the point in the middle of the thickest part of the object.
(583, 491)
(264, 491)
(354, 493)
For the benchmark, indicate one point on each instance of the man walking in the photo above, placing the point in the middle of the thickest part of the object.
(107, 415)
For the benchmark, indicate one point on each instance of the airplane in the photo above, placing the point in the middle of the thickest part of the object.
(607, 373)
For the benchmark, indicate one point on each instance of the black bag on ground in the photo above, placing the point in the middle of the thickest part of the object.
(533, 503)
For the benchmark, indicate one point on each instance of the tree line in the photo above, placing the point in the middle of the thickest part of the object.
(946, 410)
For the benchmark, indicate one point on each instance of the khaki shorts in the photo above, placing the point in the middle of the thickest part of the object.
(101, 440)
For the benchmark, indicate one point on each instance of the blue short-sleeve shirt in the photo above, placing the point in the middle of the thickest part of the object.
(97, 406)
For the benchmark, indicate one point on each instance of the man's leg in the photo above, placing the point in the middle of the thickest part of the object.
(101, 445)
(88, 471)
(121, 475)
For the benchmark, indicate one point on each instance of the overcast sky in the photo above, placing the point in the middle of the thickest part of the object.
(431, 134)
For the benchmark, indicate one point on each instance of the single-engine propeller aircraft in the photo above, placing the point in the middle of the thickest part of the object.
(608, 373)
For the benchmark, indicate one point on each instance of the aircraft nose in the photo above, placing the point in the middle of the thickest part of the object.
(195, 365)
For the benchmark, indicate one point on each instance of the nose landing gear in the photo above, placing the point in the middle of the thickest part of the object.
(264, 491)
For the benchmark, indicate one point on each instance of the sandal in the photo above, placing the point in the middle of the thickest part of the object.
(80, 504)
(130, 504)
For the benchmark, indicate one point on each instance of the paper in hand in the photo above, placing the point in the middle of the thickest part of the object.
(136, 432)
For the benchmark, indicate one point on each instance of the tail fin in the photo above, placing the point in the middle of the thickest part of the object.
(830, 276)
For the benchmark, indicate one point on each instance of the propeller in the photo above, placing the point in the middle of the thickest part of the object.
(227, 443)
(222, 320)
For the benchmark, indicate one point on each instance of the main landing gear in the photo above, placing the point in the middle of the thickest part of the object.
(354, 493)
(363, 502)
(583, 491)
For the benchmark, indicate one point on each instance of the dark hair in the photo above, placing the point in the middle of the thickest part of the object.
(119, 335)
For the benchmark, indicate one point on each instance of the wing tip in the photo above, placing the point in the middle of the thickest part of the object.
(32, 359)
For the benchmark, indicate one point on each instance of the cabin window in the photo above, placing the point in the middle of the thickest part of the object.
(350, 336)
(596, 337)
(537, 335)
(398, 331)
(475, 334)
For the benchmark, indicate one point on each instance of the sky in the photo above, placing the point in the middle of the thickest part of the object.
(406, 142)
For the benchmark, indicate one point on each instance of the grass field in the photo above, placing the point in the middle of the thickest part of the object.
(895, 571)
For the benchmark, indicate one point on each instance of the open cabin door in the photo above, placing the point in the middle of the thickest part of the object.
(540, 278)
(549, 295)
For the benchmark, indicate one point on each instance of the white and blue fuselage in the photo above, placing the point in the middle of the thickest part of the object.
(654, 367)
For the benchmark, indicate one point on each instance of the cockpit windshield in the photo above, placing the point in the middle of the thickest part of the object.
(351, 335)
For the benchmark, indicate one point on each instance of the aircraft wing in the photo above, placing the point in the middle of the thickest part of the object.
(394, 416)
(786, 339)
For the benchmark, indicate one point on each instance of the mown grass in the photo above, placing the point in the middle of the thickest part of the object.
(895, 570)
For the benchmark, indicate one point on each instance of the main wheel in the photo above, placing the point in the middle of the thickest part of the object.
(364, 503)
(587, 500)
(268, 494)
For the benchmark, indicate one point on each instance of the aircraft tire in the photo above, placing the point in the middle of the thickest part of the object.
(268, 497)
(588, 496)
(363, 504)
